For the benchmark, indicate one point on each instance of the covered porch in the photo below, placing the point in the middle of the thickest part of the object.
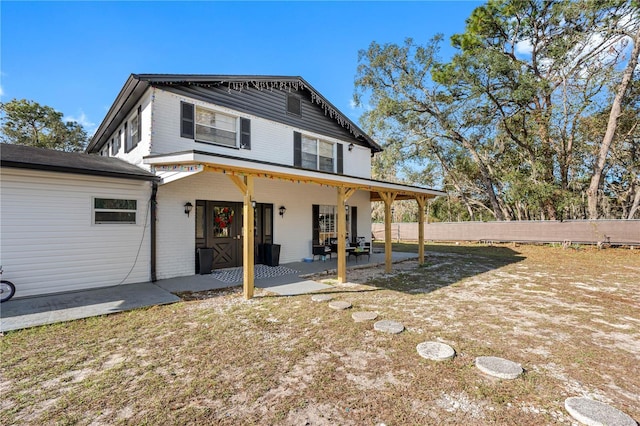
(242, 173)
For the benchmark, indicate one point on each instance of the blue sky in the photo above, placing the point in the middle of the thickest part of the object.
(76, 56)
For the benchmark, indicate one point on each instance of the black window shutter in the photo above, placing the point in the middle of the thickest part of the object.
(354, 223)
(127, 138)
(139, 124)
(186, 120)
(315, 232)
(297, 149)
(245, 133)
(340, 159)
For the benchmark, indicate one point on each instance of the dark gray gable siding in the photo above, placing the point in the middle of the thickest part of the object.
(268, 104)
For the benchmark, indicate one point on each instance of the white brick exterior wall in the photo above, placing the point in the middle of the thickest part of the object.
(270, 141)
(176, 236)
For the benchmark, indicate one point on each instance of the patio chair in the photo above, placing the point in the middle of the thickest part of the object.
(321, 250)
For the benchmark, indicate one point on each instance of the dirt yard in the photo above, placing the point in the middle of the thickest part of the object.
(570, 317)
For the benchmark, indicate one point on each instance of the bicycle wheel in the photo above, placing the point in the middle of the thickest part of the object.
(7, 290)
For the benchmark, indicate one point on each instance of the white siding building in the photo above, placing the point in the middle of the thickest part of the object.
(61, 229)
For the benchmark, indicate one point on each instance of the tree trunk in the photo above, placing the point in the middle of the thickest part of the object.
(636, 202)
(614, 114)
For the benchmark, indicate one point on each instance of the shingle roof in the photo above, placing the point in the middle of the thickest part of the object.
(28, 157)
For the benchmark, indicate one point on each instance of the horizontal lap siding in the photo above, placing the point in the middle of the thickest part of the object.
(48, 242)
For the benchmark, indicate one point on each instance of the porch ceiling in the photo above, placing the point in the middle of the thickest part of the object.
(183, 164)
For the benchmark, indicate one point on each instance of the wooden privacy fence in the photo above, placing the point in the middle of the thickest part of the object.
(617, 232)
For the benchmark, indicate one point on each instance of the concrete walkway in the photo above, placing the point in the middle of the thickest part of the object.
(34, 311)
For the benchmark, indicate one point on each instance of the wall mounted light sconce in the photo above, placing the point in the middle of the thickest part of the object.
(253, 204)
(282, 210)
(351, 147)
(346, 208)
(188, 207)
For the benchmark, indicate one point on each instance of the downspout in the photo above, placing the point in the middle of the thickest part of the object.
(154, 193)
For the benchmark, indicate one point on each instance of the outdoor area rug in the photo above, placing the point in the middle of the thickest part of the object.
(234, 275)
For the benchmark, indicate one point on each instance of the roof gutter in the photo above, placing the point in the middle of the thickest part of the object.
(110, 122)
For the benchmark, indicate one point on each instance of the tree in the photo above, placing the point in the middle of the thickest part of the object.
(614, 115)
(505, 117)
(26, 122)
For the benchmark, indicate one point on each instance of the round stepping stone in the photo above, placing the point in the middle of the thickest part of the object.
(364, 316)
(386, 326)
(595, 413)
(498, 367)
(321, 297)
(435, 351)
(339, 306)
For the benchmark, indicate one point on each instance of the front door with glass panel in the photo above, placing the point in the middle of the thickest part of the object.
(225, 234)
(219, 226)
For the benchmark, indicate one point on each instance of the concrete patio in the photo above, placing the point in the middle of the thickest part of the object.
(49, 309)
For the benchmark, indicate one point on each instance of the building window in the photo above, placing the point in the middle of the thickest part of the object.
(317, 154)
(328, 224)
(294, 105)
(132, 135)
(118, 142)
(135, 137)
(109, 210)
(214, 127)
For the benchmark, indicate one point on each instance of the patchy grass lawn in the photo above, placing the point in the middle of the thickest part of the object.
(570, 317)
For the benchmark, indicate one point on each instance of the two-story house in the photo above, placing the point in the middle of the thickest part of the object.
(189, 164)
(258, 159)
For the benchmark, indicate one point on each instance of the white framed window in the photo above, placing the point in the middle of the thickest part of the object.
(327, 221)
(114, 211)
(132, 132)
(215, 127)
(135, 137)
(118, 142)
(114, 147)
(317, 154)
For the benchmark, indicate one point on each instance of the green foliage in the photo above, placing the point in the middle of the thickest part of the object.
(509, 123)
(29, 123)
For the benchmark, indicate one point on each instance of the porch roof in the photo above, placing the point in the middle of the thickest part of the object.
(177, 165)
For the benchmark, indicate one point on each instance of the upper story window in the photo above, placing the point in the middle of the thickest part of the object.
(118, 142)
(317, 154)
(133, 133)
(212, 126)
(209, 126)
